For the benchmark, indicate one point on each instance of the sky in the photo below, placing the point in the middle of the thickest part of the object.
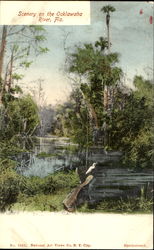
(131, 36)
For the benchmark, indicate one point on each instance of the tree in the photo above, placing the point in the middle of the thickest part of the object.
(9, 189)
(20, 119)
(130, 128)
(107, 92)
(2, 48)
(95, 66)
(46, 117)
(144, 90)
(71, 119)
(18, 44)
(107, 9)
(37, 92)
(2, 52)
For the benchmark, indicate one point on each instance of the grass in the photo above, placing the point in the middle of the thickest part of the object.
(129, 205)
(40, 202)
(48, 193)
(34, 193)
(45, 194)
(53, 202)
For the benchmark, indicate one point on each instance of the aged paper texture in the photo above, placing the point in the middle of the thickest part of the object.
(71, 23)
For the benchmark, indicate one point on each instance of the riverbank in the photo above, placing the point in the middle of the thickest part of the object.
(63, 230)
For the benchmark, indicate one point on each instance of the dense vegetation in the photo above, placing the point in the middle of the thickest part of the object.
(100, 111)
(19, 114)
(34, 193)
(125, 123)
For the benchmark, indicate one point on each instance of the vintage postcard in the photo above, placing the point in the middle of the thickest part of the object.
(76, 124)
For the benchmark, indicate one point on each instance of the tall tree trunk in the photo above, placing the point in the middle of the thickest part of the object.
(91, 111)
(105, 100)
(106, 110)
(108, 35)
(106, 88)
(2, 48)
(108, 30)
(10, 73)
(2, 52)
(93, 114)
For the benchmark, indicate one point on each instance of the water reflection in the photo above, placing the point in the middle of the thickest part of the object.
(48, 156)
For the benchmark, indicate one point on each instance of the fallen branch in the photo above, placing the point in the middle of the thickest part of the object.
(69, 202)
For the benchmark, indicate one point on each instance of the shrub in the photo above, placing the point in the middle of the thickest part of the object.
(40, 202)
(48, 185)
(129, 205)
(35, 193)
(37, 185)
(65, 180)
(9, 188)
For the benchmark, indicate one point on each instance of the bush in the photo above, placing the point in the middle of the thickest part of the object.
(34, 193)
(129, 205)
(36, 185)
(40, 202)
(65, 180)
(49, 184)
(21, 117)
(9, 188)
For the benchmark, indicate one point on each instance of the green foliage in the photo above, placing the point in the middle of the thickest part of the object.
(21, 43)
(49, 184)
(43, 50)
(137, 127)
(35, 185)
(33, 192)
(17, 76)
(128, 116)
(37, 28)
(45, 193)
(10, 96)
(108, 8)
(129, 205)
(25, 64)
(141, 149)
(39, 38)
(6, 163)
(21, 117)
(40, 202)
(71, 118)
(8, 150)
(144, 90)
(9, 188)
(86, 109)
(93, 62)
(65, 180)
(17, 89)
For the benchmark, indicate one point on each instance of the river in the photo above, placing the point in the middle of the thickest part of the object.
(48, 155)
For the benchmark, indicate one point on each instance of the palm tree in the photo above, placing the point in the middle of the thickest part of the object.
(107, 9)
(102, 43)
